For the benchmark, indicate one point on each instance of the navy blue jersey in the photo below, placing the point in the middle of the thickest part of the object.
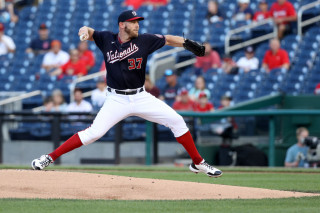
(126, 62)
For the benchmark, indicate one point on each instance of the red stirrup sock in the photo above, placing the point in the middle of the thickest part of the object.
(71, 144)
(187, 142)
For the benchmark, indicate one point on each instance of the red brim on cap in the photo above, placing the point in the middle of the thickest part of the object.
(136, 18)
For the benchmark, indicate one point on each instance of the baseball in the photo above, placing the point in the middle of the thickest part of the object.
(83, 37)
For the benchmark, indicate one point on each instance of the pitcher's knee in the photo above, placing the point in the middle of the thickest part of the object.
(178, 126)
(90, 135)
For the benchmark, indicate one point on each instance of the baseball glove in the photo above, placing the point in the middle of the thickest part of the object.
(194, 47)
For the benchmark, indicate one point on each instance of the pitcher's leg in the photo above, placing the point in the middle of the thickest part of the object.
(111, 113)
(155, 110)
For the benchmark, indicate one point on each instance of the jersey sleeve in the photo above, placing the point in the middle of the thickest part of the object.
(153, 41)
(100, 37)
(291, 10)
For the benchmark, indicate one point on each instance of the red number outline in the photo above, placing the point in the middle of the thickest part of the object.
(139, 61)
(132, 64)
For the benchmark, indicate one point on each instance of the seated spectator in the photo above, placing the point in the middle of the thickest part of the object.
(7, 12)
(296, 154)
(249, 61)
(151, 88)
(99, 95)
(184, 102)
(203, 104)
(199, 86)
(86, 55)
(213, 14)
(283, 13)
(136, 4)
(170, 91)
(317, 89)
(228, 65)
(74, 66)
(243, 12)
(263, 12)
(6, 43)
(79, 105)
(211, 59)
(275, 57)
(59, 104)
(103, 67)
(55, 58)
(41, 44)
(47, 105)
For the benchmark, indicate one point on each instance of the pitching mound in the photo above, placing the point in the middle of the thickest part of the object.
(74, 185)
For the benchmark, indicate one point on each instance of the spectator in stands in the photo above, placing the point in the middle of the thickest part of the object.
(79, 105)
(7, 12)
(249, 61)
(41, 44)
(151, 88)
(59, 105)
(99, 95)
(213, 14)
(283, 13)
(86, 55)
(317, 89)
(55, 58)
(136, 4)
(210, 60)
(243, 12)
(228, 65)
(275, 57)
(74, 66)
(199, 86)
(6, 43)
(170, 91)
(263, 12)
(47, 104)
(203, 104)
(296, 154)
(184, 102)
(103, 67)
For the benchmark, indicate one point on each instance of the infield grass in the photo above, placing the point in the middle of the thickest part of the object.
(271, 178)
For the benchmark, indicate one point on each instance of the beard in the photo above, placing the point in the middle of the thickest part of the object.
(131, 33)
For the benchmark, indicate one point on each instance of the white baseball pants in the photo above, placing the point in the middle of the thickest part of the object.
(118, 107)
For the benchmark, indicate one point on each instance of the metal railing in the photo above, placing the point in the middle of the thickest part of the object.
(232, 32)
(307, 22)
(82, 79)
(20, 97)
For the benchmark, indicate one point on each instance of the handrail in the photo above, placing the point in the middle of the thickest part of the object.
(82, 79)
(168, 52)
(20, 97)
(301, 23)
(271, 35)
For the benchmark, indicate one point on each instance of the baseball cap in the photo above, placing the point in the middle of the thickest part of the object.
(244, 1)
(101, 80)
(1, 27)
(262, 2)
(43, 26)
(249, 49)
(168, 72)
(202, 95)
(129, 15)
(226, 97)
(183, 91)
(55, 43)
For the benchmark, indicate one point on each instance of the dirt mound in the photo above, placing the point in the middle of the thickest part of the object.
(75, 185)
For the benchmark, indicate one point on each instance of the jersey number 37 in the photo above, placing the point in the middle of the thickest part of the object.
(134, 63)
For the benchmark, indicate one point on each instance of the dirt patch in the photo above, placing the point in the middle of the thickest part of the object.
(75, 185)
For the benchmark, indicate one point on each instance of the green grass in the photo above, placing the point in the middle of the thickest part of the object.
(299, 205)
(271, 178)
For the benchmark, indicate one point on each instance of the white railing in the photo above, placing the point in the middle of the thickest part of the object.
(232, 32)
(19, 97)
(82, 79)
(307, 22)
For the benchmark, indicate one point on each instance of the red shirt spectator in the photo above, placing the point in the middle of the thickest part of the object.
(151, 88)
(275, 57)
(210, 60)
(203, 105)
(283, 10)
(185, 103)
(263, 13)
(86, 55)
(74, 68)
(317, 89)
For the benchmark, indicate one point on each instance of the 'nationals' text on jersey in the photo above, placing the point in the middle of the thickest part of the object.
(126, 62)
